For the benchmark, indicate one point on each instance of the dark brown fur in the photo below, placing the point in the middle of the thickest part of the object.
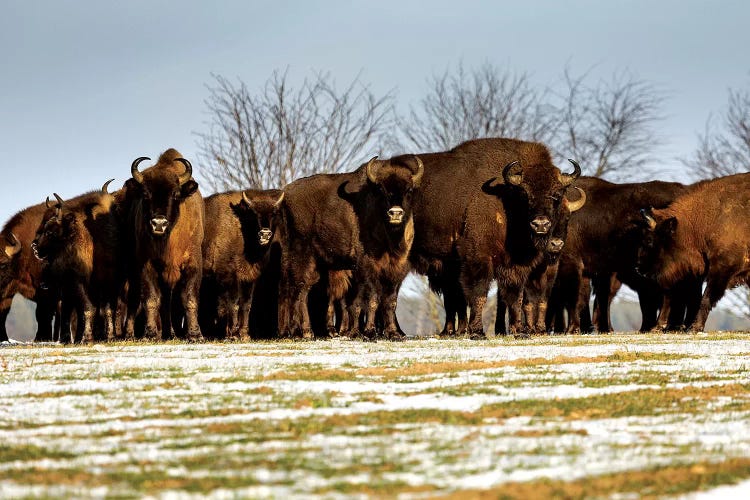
(337, 222)
(234, 258)
(168, 264)
(80, 245)
(472, 226)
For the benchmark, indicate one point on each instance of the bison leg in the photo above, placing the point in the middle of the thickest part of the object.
(391, 331)
(664, 314)
(455, 309)
(189, 299)
(602, 288)
(512, 296)
(46, 304)
(152, 302)
(715, 288)
(245, 304)
(649, 300)
(477, 297)
(85, 315)
(4, 311)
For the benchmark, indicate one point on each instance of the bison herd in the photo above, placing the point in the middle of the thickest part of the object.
(326, 255)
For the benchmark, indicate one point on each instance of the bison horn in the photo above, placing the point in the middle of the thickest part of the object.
(16, 245)
(247, 200)
(59, 206)
(371, 174)
(105, 186)
(46, 202)
(580, 202)
(278, 202)
(188, 170)
(134, 169)
(567, 179)
(417, 178)
(513, 173)
(646, 214)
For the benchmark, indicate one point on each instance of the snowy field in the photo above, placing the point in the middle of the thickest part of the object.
(576, 416)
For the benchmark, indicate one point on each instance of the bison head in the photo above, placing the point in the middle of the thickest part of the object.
(261, 210)
(657, 248)
(560, 230)
(540, 190)
(55, 231)
(394, 186)
(161, 192)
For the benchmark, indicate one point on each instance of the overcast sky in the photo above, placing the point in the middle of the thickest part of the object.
(86, 86)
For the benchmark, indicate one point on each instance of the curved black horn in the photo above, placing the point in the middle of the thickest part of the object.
(134, 169)
(59, 200)
(513, 173)
(105, 186)
(567, 179)
(46, 202)
(188, 170)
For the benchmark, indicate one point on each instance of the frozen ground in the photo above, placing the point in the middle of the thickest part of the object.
(621, 415)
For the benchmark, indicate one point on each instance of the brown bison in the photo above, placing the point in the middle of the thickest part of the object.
(78, 240)
(21, 272)
(485, 211)
(703, 235)
(539, 285)
(165, 213)
(602, 245)
(359, 221)
(241, 228)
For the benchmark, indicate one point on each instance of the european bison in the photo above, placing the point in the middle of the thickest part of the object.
(602, 245)
(359, 221)
(21, 272)
(241, 228)
(485, 211)
(79, 242)
(165, 212)
(702, 235)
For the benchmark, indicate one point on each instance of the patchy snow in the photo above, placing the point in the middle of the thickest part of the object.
(229, 413)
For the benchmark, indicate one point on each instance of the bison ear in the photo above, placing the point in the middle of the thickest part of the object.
(669, 225)
(188, 188)
(132, 185)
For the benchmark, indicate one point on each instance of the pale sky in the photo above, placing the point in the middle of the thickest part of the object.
(87, 86)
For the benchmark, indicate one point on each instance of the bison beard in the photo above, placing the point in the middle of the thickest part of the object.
(166, 214)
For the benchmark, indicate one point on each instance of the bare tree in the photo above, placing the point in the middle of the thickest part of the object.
(609, 127)
(486, 102)
(282, 133)
(724, 149)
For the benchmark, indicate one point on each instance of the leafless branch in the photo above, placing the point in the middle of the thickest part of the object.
(609, 127)
(724, 149)
(272, 138)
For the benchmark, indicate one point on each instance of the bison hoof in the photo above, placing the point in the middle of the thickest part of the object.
(194, 336)
(476, 335)
(152, 334)
(307, 334)
(394, 336)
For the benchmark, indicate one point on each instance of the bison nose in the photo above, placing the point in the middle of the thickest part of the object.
(395, 215)
(264, 236)
(556, 245)
(541, 224)
(159, 224)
